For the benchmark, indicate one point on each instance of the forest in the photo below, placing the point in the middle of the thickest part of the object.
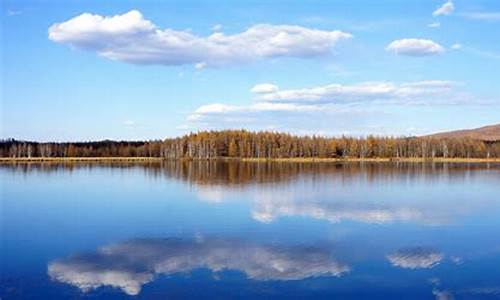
(263, 144)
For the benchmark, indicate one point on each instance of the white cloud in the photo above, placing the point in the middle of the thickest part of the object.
(415, 47)
(236, 114)
(132, 264)
(445, 9)
(415, 258)
(434, 25)
(482, 16)
(351, 106)
(131, 38)
(290, 117)
(388, 92)
(264, 88)
(218, 108)
(217, 27)
(456, 46)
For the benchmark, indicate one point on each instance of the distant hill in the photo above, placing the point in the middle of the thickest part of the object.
(486, 133)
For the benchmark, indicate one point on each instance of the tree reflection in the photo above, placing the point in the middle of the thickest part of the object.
(228, 172)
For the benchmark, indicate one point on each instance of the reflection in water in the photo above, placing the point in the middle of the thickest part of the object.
(238, 174)
(270, 206)
(442, 295)
(268, 201)
(131, 264)
(493, 291)
(415, 258)
(327, 199)
(327, 191)
(468, 293)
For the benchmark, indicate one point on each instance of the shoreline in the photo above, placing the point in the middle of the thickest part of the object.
(374, 159)
(77, 159)
(292, 160)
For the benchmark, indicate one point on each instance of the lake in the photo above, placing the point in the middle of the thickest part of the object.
(180, 230)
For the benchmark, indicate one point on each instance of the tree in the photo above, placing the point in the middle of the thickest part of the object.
(232, 149)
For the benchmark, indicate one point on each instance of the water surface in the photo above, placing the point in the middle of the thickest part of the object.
(250, 230)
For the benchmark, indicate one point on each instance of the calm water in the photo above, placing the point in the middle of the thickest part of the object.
(254, 230)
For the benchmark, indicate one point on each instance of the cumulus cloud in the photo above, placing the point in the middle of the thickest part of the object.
(363, 92)
(132, 264)
(264, 88)
(325, 99)
(264, 115)
(132, 39)
(291, 117)
(350, 105)
(218, 108)
(415, 258)
(415, 47)
(445, 9)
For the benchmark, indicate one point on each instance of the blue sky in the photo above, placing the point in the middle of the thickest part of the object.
(85, 70)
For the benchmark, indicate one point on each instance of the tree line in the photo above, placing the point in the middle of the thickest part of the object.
(263, 144)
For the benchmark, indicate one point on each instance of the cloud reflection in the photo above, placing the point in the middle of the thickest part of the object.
(332, 198)
(442, 295)
(415, 258)
(320, 202)
(267, 210)
(130, 265)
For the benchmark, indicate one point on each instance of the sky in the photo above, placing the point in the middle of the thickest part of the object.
(137, 70)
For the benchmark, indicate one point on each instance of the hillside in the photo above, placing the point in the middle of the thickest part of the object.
(486, 133)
